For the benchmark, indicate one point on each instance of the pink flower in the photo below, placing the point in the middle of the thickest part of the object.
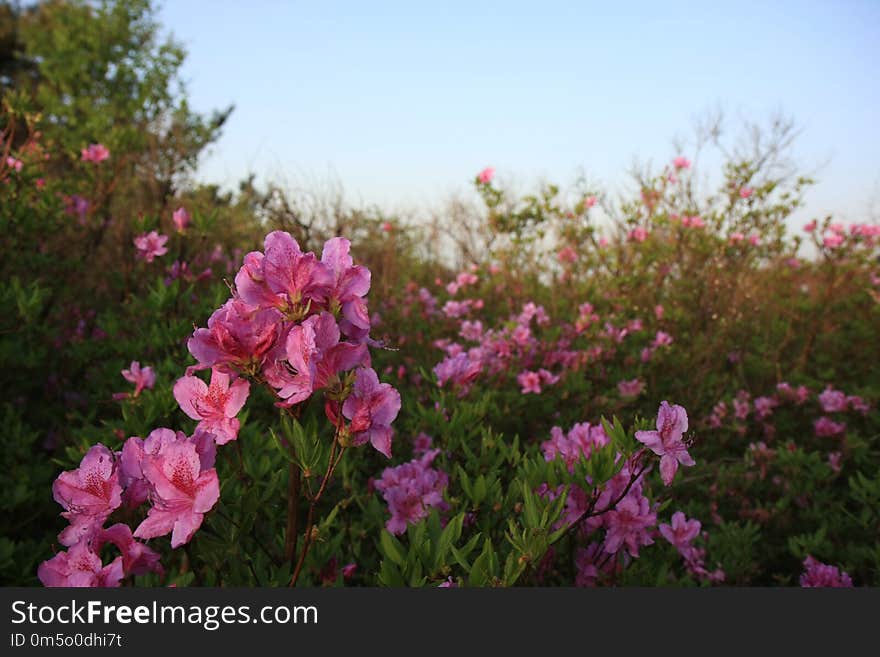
(834, 459)
(387, 226)
(681, 162)
(638, 234)
(832, 401)
(662, 339)
(818, 574)
(461, 370)
(141, 377)
(631, 388)
(350, 283)
(182, 491)
(486, 175)
(181, 219)
(411, 490)
(627, 525)
(300, 278)
(589, 202)
(833, 240)
(372, 407)
(80, 567)
(88, 494)
(811, 226)
(746, 192)
(666, 442)
(238, 337)
(682, 531)
(825, 427)
(95, 153)
(137, 558)
(658, 312)
(215, 406)
(567, 254)
(13, 163)
(151, 245)
(530, 382)
(735, 238)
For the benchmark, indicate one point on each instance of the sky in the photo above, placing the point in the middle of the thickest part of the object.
(402, 103)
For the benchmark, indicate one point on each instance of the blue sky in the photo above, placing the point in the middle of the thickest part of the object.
(404, 102)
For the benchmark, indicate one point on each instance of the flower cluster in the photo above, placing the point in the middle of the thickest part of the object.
(411, 490)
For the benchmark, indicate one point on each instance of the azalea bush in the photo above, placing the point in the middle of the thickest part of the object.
(554, 388)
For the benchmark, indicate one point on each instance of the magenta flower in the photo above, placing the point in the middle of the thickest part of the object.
(151, 245)
(666, 442)
(832, 401)
(88, 494)
(215, 405)
(681, 532)
(137, 558)
(486, 175)
(80, 567)
(238, 337)
(181, 489)
(631, 388)
(825, 427)
(411, 490)
(638, 234)
(746, 192)
(181, 219)
(461, 370)
(141, 377)
(681, 162)
(627, 525)
(95, 153)
(818, 574)
(372, 407)
(300, 277)
(350, 283)
(530, 382)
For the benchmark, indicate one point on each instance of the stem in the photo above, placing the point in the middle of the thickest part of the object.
(293, 485)
(332, 462)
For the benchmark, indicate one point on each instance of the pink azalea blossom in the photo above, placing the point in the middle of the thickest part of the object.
(567, 254)
(181, 219)
(818, 574)
(372, 407)
(810, 227)
(460, 370)
(88, 494)
(833, 240)
(411, 490)
(137, 558)
(80, 567)
(215, 405)
(681, 532)
(589, 202)
(666, 442)
(350, 284)
(141, 377)
(486, 175)
(638, 234)
(832, 401)
(238, 337)
(530, 382)
(628, 523)
(825, 427)
(631, 388)
(300, 279)
(746, 192)
(681, 162)
(95, 153)
(834, 460)
(151, 245)
(182, 491)
(15, 164)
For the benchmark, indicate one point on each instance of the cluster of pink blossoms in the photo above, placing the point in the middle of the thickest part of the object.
(818, 574)
(95, 153)
(411, 490)
(577, 444)
(681, 534)
(284, 325)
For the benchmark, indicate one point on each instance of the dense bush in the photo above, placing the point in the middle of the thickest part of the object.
(251, 389)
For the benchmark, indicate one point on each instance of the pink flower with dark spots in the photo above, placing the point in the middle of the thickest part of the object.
(667, 441)
(95, 153)
(238, 337)
(181, 219)
(372, 407)
(151, 245)
(80, 567)
(215, 405)
(486, 175)
(141, 377)
(182, 491)
(88, 494)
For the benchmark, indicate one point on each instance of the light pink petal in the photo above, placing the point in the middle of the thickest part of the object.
(188, 391)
